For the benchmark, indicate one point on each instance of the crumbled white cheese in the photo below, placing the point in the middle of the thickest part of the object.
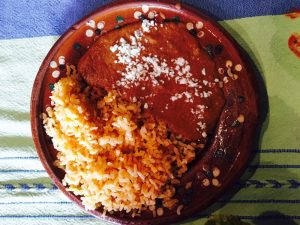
(114, 48)
(201, 125)
(147, 24)
(192, 84)
(182, 81)
(133, 40)
(187, 94)
(186, 69)
(156, 70)
(180, 61)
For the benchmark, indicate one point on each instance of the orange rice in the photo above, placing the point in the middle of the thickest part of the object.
(110, 158)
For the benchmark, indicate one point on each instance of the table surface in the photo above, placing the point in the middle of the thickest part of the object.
(269, 191)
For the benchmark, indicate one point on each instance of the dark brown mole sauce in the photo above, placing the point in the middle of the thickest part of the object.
(167, 42)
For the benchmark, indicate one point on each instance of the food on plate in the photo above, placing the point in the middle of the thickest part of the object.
(169, 73)
(114, 155)
(140, 108)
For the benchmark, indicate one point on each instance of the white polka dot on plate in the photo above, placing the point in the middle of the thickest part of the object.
(100, 25)
(151, 15)
(55, 74)
(89, 33)
(238, 67)
(53, 64)
(137, 14)
(91, 23)
(199, 25)
(61, 61)
(200, 34)
(189, 26)
(145, 8)
(178, 6)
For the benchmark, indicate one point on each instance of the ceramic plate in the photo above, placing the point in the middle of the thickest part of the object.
(218, 168)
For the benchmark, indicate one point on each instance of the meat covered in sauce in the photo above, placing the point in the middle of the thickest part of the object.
(163, 67)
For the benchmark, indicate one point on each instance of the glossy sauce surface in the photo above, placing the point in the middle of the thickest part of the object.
(172, 76)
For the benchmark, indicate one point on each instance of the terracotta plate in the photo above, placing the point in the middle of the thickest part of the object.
(221, 165)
